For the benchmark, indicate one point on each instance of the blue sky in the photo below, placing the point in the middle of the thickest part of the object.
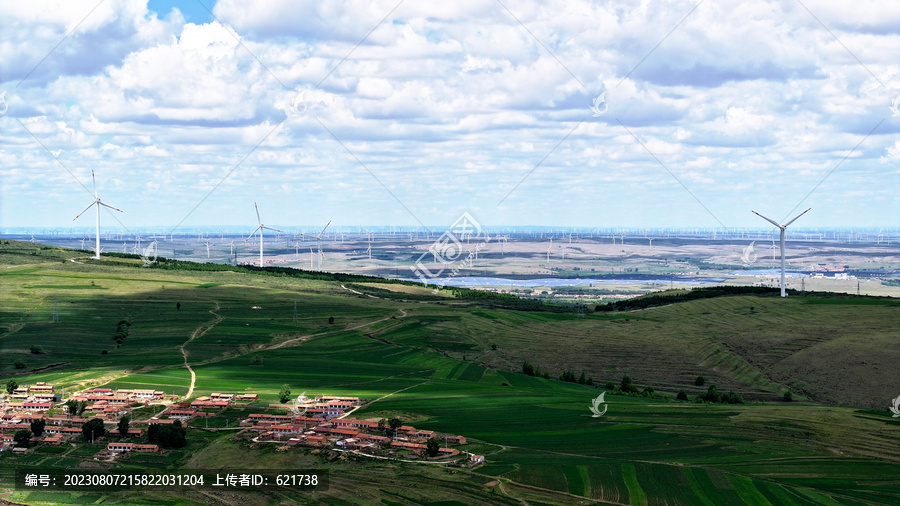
(387, 113)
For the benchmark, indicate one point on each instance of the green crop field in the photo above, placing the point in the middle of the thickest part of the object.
(454, 366)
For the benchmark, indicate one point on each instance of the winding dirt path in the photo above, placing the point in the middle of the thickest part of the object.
(307, 337)
(199, 331)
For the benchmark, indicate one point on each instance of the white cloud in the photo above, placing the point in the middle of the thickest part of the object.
(450, 105)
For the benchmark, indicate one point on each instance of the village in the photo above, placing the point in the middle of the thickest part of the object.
(37, 414)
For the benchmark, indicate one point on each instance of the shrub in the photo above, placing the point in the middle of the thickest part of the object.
(682, 395)
(35, 349)
(18, 364)
(700, 381)
(788, 396)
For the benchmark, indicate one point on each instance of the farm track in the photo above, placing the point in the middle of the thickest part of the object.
(199, 331)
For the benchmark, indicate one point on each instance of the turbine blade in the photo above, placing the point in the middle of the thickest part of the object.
(111, 207)
(270, 228)
(258, 220)
(795, 219)
(323, 230)
(94, 179)
(767, 219)
(252, 233)
(83, 211)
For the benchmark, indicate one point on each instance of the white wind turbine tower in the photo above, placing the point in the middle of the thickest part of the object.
(207, 250)
(318, 239)
(782, 229)
(97, 202)
(260, 228)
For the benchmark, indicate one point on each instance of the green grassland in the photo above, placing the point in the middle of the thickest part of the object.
(453, 365)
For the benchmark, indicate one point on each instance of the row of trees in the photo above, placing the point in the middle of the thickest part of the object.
(122, 332)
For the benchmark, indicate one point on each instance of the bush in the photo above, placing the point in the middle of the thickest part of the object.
(609, 386)
(700, 381)
(788, 396)
(18, 364)
(682, 396)
(35, 349)
(256, 360)
(331, 319)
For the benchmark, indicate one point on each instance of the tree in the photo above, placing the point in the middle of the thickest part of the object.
(582, 379)
(19, 364)
(256, 360)
(123, 425)
(527, 369)
(394, 423)
(37, 426)
(626, 385)
(788, 396)
(72, 406)
(93, 429)
(37, 350)
(178, 306)
(285, 393)
(382, 424)
(331, 319)
(433, 447)
(700, 381)
(682, 396)
(22, 438)
(711, 395)
(11, 386)
(82, 405)
(167, 436)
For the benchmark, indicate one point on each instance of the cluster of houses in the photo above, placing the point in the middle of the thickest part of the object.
(320, 425)
(320, 422)
(32, 402)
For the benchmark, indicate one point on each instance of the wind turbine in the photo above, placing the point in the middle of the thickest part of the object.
(207, 250)
(97, 202)
(318, 239)
(261, 227)
(782, 229)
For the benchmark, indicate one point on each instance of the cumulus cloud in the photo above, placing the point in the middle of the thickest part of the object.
(450, 106)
